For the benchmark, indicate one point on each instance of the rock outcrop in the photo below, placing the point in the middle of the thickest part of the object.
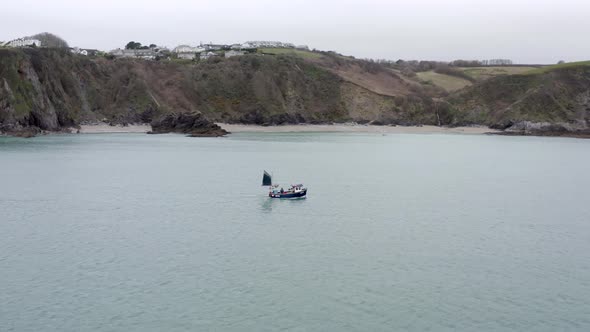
(528, 128)
(194, 124)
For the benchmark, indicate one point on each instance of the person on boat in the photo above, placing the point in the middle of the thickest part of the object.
(282, 191)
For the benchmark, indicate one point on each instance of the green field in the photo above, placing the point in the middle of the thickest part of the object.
(559, 66)
(483, 73)
(301, 53)
(447, 82)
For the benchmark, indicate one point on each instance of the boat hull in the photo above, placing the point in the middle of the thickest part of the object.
(300, 194)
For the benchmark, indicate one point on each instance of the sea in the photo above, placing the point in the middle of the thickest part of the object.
(399, 232)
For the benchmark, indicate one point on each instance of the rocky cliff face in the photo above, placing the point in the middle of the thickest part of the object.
(544, 102)
(48, 89)
(45, 89)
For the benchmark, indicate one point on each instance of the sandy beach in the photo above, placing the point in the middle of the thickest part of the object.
(236, 128)
(105, 128)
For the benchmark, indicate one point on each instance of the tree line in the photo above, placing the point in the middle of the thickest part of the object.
(133, 45)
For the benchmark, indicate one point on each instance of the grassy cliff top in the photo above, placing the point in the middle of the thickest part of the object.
(301, 53)
(567, 65)
(483, 73)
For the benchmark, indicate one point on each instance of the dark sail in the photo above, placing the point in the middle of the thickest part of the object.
(266, 179)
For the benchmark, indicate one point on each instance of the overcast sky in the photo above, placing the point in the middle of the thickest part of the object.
(526, 31)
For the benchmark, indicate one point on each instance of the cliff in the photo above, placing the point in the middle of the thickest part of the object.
(552, 100)
(50, 89)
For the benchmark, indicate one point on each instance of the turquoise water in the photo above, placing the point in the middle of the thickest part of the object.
(132, 232)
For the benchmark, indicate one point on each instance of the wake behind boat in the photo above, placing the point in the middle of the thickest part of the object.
(275, 191)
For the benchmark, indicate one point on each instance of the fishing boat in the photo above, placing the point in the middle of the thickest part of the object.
(275, 191)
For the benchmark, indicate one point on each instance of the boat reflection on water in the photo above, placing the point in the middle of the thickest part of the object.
(266, 204)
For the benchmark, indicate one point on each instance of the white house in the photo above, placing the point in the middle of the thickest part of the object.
(187, 56)
(23, 42)
(214, 47)
(187, 52)
(207, 55)
(188, 49)
(141, 54)
(160, 49)
(231, 53)
(265, 43)
(145, 54)
(77, 50)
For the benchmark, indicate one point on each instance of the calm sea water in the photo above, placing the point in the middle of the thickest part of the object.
(132, 232)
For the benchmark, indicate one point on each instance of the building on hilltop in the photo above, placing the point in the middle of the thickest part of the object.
(207, 55)
(23, 42)
(266, 44)
(147, 54)
(187, 52)
(231, 53)
(188, 49)
(80, 51)
(186, 56)
(215, 47)
(91, 52)
(84, 51)
(160, 49)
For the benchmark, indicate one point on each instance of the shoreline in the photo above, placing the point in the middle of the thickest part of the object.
(106, 128)
(103, 128)
(356, 128)
(300, 128)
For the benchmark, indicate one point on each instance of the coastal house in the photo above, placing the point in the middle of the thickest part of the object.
(147, 54)
(188, 49)
(266, 44)
(23, 42)
(160, 49)
(119, 53)
(186, 56)
(207, 55)
(214, 47)
(231, 53)
(80, 51)
(187, 52)
(91, 52)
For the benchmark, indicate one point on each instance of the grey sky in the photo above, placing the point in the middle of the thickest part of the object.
(526, 31)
